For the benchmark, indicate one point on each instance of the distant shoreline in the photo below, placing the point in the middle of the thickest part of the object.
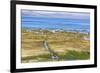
(85, 31)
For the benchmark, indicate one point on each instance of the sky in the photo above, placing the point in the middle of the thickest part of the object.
(55, 19)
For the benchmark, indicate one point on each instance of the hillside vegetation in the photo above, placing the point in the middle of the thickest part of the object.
(66, 45)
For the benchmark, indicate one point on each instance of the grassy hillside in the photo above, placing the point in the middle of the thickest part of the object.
(67, 45)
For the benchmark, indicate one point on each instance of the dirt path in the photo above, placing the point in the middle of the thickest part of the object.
(54, 56)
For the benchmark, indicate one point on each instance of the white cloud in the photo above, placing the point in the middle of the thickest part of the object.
(72, 15)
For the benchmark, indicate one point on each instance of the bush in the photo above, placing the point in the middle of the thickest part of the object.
(74, 55)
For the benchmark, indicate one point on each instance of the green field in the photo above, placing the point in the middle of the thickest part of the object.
(65, 45)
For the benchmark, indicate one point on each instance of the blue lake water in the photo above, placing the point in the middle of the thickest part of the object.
(51, 21)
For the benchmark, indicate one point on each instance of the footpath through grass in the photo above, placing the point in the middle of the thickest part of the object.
(68, 55)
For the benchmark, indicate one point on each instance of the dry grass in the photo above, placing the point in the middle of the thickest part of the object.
(59, 42)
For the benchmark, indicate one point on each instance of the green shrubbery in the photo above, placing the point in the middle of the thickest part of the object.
(68, 55)
(74, 55)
